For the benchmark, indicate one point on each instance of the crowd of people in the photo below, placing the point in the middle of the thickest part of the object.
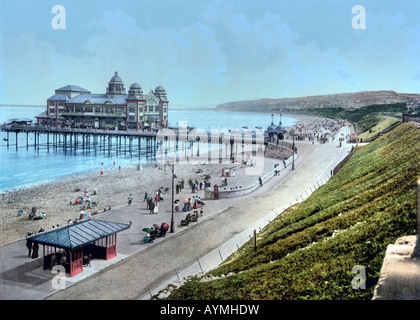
(320, 129)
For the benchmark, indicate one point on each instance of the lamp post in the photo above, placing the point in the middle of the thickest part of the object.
(293, 164)
(172, 204)
(293, 149)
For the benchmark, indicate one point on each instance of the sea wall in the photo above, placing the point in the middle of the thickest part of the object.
(279, 150)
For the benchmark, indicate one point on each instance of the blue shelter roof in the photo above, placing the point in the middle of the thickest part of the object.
(79, 234)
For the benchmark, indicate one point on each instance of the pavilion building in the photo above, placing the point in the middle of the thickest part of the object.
(77, 107)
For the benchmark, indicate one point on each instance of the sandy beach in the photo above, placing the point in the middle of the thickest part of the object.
(57, 199)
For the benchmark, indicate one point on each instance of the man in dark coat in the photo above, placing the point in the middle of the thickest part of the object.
(35, 249)
(29, 246)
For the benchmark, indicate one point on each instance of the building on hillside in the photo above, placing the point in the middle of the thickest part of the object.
(76, 107)
(413, 106)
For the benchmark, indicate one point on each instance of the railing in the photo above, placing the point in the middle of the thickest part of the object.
(51, 129)
(96, 114)
(343, 162)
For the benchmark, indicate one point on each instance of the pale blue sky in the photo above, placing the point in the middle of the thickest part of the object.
(209, 51)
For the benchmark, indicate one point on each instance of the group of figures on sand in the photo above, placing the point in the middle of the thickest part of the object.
(153, 203)
(189, 204)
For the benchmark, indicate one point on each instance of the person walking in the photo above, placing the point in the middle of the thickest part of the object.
(260, 180)
(156, 209)
(35, 249)
(29, 246)
(130, 199)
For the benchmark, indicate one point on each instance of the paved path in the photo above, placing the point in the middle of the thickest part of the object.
(140, 267)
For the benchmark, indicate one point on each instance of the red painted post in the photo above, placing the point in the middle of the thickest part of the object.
(216, 192)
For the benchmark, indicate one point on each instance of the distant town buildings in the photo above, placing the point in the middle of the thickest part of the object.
(77, 107)
(413, 106)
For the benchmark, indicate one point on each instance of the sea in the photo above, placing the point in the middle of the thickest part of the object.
(24, 167)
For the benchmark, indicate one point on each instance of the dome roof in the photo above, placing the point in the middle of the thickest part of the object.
(160, 88)
(116, 78)
(280, 128)
(135, 85)
(271, 128)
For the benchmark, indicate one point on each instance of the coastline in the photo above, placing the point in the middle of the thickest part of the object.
(57, 198)
(300, 118)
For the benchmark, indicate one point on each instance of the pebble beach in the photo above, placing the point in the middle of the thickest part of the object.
(57, 199)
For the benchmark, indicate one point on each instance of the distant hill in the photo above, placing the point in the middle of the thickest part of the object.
(343, 100)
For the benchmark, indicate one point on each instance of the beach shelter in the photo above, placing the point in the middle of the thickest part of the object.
(69, 245)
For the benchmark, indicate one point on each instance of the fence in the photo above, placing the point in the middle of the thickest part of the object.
(343, 162)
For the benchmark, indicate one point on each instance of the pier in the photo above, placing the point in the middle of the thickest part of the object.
(87, 141)
(179, 143)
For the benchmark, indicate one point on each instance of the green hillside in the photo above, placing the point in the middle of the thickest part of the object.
(309, 251)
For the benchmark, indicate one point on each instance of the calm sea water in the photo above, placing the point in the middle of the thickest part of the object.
(26, 167)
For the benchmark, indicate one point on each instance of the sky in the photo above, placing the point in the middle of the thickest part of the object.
(207, 52)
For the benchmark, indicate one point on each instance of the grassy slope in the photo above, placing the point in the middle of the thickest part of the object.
(310, 250)
(383, 122)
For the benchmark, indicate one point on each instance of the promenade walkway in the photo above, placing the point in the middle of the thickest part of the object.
(139, 268)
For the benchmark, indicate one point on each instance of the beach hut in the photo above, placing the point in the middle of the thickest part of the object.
(69, 245)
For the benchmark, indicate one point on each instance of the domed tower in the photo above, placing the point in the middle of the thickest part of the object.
(135, 92)
(135, 107)
(280, 130)
(160, 93)
(115, 86)
(271, 130)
